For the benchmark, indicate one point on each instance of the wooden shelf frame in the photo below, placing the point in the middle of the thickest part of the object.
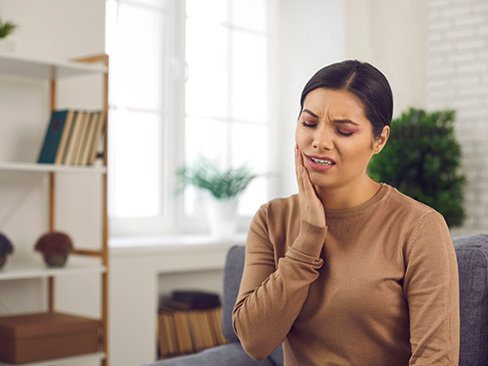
(103, 253)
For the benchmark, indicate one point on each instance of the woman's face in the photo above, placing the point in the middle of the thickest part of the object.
(333, 126)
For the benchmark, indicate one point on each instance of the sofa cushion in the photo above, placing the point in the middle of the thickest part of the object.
(472, 256)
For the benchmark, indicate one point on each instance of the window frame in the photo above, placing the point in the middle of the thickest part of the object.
(173, 220)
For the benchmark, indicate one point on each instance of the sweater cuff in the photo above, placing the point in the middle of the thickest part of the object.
(310, 239)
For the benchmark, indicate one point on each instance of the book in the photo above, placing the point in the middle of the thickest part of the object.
(89, 137)
(196, 299)
(69, 132)
(213, 326)
(196, 332)
(64, 138)
(164, 349)
(170, 333)
(95, 142)
(202, 321)
(183, 334)
(52, 137)
(77, 137)
(73, 138)
(82, 139)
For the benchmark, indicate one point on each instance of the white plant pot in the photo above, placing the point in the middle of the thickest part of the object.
(7, 45)
(221, 217)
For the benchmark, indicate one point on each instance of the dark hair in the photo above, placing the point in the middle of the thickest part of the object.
(363, 80)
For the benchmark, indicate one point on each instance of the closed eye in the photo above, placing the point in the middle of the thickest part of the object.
(342, 133)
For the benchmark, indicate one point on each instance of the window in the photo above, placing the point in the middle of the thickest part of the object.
(188, 79)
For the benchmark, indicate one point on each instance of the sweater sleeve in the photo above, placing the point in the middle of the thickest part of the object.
(431, 288)
(271, 297)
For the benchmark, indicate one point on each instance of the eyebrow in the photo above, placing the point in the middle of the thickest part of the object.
(342, 120)
(345, 121)
(311, 113)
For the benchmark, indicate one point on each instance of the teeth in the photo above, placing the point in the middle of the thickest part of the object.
(323, 162)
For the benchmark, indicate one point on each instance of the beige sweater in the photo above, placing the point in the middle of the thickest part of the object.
(384, 289)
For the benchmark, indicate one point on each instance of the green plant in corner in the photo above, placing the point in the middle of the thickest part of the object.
(221, 184)
(7, 27)
(422, 160)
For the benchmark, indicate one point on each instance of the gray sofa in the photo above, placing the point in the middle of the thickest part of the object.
(472, 255)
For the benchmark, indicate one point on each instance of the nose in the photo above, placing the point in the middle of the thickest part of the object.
(322, 140)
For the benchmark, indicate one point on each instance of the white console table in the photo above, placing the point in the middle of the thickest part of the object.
(138, 274)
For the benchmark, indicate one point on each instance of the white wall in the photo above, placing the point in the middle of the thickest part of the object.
(391, 35)
(57, 28)
(311, 35)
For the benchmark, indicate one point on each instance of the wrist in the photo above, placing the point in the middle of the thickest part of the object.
(310, 239)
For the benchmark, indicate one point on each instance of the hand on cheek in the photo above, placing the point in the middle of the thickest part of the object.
(311, 207)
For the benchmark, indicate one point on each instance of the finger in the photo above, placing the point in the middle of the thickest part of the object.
(307, 185)
(302, 158)
(306, 181)
(298, 170)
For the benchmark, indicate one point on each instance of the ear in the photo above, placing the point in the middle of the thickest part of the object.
(380, 142)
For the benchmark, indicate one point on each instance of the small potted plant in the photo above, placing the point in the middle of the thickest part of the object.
(223, 188)
(6, 248)
(7, 27)
(55, 247)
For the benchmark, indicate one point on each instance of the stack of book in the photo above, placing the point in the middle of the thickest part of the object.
(72, 137)
(189, 321)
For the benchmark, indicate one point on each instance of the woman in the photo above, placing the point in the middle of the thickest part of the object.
(348, 271)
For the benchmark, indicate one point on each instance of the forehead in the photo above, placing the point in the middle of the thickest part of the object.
(335, 104)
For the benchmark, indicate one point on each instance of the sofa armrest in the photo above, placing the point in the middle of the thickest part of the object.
(227, 354)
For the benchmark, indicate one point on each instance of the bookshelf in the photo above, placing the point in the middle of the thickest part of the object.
(82, 260)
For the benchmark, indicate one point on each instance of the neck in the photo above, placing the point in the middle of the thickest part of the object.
(350, 195)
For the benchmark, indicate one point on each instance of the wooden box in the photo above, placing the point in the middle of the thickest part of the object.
(42, 336)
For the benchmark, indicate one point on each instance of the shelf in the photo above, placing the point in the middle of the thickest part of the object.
(48, 168)
(63, 361)
(11, 64)
(74, 266)
(86, 262)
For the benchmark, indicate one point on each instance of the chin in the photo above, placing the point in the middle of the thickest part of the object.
(320, 182)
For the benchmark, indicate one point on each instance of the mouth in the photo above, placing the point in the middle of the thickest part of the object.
(322, 161)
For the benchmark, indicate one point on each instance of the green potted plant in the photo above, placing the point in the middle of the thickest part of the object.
(6, 248)
(55, 247)
(422, 160)
(7, 27)
(223, 188)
